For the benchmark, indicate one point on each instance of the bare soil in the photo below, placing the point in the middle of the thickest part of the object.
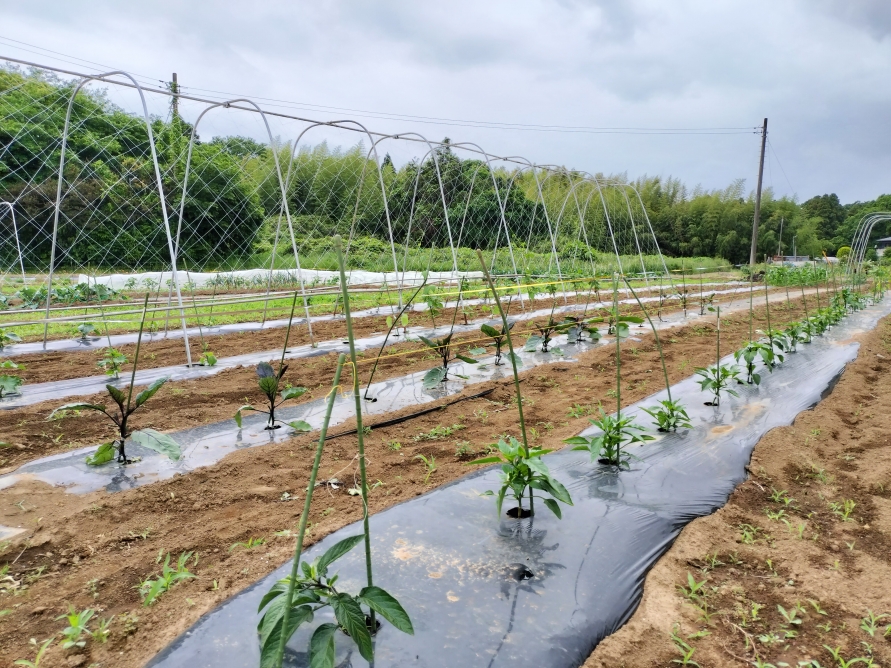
(94, 550)
(784, 546)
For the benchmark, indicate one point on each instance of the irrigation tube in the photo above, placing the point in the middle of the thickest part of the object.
(540, 592)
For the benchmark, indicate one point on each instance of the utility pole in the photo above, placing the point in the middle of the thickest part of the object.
(780, 241)
(758, 197)
(174, 88)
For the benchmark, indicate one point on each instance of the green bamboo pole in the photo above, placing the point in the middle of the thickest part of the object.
(656, 335)
(301, 531)
(360, 432)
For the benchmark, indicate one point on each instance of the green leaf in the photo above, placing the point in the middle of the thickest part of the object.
(238, 413)
(277, 590)
(631, 318)
(293, 392)
(155, 440)
(300, 425)
(433, 377)
(350, 616)
(477, 351)
(576, 440)
(554, 507)
(274, 634)
(488, 330)
(150, 391)
(264, 370)
(469, 360)
(388, 607)
(269, 386)
(104, 454)
(428, 342)
(78, 407)
(321, 647)
(532, 344)
(116, 394)
(486, 460)
(500, 500)
(516, 358)
(336, 551)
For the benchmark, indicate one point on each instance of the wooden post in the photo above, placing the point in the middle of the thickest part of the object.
(758, 198)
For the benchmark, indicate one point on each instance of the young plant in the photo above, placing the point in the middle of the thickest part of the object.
(717, 379)
(433, 302)
(748, 354)
(527, 455)
(9, 384)
(546, 332)
(796, 332)
(521, 471)
(7, 337)
(112, 362)
(150, 589)
(269, 382)
(609, 447)
(313, 589)
(85, 329)
(37, 659)
(498, 335)
(127, 405)
(443, 348)
(207, 357)
(77, 627)
(429, 465)
(576, 328)
(669, 414)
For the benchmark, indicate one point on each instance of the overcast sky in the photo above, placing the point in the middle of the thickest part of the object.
(818, 69)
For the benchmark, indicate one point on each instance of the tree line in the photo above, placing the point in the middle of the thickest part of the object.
(111, 215)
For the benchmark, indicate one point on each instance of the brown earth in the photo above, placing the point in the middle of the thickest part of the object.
(63, 365)
(94, 550)
(188, 403)
(784, 543)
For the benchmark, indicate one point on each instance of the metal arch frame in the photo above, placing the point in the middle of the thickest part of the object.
(151, 140)
(652, 232)
(861, 239)
(15, 231)
(535, 169)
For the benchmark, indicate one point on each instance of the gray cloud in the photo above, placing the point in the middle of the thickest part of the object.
(816, 68)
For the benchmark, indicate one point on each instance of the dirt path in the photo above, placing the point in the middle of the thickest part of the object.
(94, 550)
(786, 541)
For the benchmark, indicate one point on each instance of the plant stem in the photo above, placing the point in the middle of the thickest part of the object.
(656, 335)
(360, 432)
(301, 531)
(618, 347)
(513, 360)
(288, 333)
(767, 309)
(121, 454)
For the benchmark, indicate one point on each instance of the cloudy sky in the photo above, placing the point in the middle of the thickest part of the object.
(494, 72)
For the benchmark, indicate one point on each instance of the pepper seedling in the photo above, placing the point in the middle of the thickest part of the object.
(112, 362)
(748, 354)
(609, 447)
(269, 382)
(314, 589)
(520, 472)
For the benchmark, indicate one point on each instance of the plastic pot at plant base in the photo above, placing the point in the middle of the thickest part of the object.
(488, 591)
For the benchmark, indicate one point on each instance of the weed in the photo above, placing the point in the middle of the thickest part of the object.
(870, 623)
(77, 627)
(749, 533)
(394, 445)
(150, 590)
(40, 652)
(692, 590)
(464, 449)
(250, 544)
(578, 411)
(843, 509)
(429, 464)
(438, 433)
(683, 648)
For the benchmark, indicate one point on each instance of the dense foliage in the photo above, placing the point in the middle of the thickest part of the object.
(111, 214)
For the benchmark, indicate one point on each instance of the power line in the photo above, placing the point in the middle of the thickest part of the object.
(426, 120)
(774, 152)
